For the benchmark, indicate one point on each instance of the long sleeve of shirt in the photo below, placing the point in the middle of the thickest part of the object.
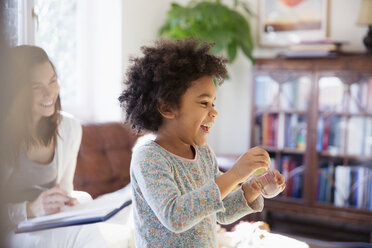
(177, 208)
(235, 205)
(176, 200)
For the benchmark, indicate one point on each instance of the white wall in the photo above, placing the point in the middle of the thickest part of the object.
(99, 60)
(230, 135)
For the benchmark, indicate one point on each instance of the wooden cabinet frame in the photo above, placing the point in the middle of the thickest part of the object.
(348, 67)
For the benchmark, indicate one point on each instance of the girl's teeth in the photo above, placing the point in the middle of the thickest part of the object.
(205, 128)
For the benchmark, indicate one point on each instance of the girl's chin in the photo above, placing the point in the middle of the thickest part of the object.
(201, 142)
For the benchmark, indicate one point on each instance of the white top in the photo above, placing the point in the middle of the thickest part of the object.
(68, 144)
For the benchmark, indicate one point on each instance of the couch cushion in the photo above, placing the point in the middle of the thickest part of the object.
(104, 158)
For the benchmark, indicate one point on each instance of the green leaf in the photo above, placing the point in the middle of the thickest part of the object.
(232, 51)
(212, 21)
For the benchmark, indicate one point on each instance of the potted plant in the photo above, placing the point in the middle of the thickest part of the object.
(212, 21)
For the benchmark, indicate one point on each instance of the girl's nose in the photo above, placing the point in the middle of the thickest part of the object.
(213, 113)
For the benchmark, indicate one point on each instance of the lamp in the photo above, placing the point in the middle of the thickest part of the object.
(365, 18)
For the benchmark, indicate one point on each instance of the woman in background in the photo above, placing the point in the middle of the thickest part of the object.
(43, 143)
(41, 151)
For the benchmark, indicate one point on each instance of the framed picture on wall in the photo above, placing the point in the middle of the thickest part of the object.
(284, 22)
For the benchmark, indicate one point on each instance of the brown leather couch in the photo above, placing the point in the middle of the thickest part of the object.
(104, 158)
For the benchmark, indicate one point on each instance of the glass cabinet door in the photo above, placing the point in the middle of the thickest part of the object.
(280, 124)
(343, 145)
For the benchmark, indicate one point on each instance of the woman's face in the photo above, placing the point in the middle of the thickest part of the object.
(45, 90)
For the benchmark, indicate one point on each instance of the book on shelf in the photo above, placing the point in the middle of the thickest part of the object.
(297, 185)
(317, 45)
(319, 134)
(309, 54)
(269, 129)
(265, 92)
(331, 137)
(353, 186)
(342, 186)
(292, 171)
(355, 98)
(368, 98)
(335, 88)
(355, 136)
(361, 97)
(325, 187)
(325, 135)
(291, 131)
(265, 129)
(97, 210)
(313, 49)
(273, 165)
(295, 131)
(285, 171)
(294, 95)
(281, 130)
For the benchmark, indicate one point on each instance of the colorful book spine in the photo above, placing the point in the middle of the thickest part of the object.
(353, 187)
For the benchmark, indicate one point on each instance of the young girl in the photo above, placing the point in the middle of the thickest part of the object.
(178, 191)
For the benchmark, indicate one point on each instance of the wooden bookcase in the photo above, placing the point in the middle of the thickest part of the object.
(313, 116)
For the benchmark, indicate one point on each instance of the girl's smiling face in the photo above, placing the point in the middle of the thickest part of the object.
(195, 115)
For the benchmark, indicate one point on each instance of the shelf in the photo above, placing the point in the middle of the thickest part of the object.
(284, 150)
(324, 211)
(293, 151)
(335, 155)
(292, 200)
(343, 114)
(260, 111)
(351, 209)
(331, 154)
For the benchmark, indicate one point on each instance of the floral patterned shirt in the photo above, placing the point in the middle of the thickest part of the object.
(177, 202)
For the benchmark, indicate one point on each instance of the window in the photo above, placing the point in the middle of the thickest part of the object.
(55, 31)
(83, 39)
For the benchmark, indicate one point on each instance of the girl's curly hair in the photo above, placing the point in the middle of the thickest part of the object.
(163, 75)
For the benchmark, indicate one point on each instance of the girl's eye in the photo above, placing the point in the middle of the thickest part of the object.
(52, 82)
(206, 104)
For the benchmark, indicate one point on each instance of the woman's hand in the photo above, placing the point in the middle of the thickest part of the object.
(249, 162)
(49, 202)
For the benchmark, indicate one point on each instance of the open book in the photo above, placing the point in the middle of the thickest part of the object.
(99, 209)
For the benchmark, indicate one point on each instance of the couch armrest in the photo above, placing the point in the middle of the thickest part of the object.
(104, 158)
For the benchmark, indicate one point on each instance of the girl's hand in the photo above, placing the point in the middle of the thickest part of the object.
(252, 190)
(280, 181)
(249, 162)
(49, 202)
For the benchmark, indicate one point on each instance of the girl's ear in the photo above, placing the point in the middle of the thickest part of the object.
(166, 111)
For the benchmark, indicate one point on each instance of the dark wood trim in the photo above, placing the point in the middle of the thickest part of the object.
(350, 68)
(324, 211)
